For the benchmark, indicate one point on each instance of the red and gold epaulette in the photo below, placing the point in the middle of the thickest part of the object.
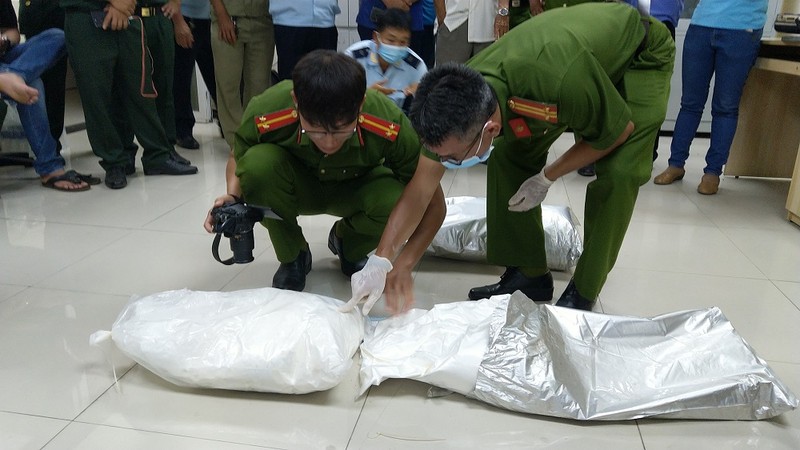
(384, 128)
(273, 121)
(547, 112)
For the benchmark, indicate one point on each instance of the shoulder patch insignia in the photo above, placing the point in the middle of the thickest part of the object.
(361, 53)
(376, 125)
(547, 112)
(519, 128)
(273, 121)
(412, 60)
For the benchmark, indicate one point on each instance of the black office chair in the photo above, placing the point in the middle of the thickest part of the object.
(12, 158)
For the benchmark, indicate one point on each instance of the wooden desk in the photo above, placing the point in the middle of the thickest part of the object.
(767, 141)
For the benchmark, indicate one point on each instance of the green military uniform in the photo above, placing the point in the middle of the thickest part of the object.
(518, 11)
(112, 70)
(590, 68)
(280, 167)
(242, 70)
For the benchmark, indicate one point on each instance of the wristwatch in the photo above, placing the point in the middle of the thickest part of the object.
(502, 11)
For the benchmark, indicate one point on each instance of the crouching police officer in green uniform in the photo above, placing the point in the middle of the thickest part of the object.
(602, 70)
(324, 144)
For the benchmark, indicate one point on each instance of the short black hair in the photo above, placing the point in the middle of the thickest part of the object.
(393, 18)
(329, 88)
(451, 100)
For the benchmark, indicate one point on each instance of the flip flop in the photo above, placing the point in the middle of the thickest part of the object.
(87, 178)
(72, 177)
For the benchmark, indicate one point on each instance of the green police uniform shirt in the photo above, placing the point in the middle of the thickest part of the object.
(560, 70)
(383, 136)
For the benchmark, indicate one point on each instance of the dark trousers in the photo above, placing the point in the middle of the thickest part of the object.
(185, 59)
(292, 43)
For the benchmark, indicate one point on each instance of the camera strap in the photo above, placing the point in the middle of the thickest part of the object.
(215, 250)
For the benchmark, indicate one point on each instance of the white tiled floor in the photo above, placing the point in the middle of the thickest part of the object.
(69, 262)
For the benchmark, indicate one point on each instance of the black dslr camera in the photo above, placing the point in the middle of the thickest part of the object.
(236, 221)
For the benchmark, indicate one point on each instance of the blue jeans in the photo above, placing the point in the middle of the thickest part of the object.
(29, 60)
(728, 55)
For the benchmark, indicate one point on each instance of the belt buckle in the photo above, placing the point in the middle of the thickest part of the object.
(147, 11)
(515, 3)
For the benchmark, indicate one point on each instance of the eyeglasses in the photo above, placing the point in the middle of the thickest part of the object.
(457, 162)
(339, 135)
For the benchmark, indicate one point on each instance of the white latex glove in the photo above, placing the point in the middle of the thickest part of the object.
(531, 194)
(368, 283)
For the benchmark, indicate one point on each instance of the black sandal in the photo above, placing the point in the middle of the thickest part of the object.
(71, 176)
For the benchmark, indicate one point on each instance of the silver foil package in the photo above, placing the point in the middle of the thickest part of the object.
(542, 359)
(463, 233)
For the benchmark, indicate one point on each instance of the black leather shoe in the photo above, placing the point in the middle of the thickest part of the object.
(115, 177)
(572, 299)
(188, 142)
(170, 167)
(587, 170)
(292, 275)
(335, 246)
(175, 156)
(538, 289)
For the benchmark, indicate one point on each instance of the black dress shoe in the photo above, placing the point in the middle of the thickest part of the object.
(335, 246)
(292, 275)
(587, 170)
(175, 156)
(572, 299)
(170, 167)
(538, 289)
(115, 177)
(188, 142)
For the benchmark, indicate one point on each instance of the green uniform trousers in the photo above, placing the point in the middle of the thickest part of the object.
(243, 70)
(161, 42)
(112, 73)
(270, 175)
(517, 239)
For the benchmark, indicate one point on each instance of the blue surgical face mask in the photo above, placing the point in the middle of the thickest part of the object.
(474, 159)
(392, 53)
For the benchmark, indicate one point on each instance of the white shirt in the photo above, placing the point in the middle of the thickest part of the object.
(481, 14)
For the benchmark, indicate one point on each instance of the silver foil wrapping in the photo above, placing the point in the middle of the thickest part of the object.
(463, 233)
(559, 362)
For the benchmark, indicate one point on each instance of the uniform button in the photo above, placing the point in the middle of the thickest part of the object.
(322, 171)
(344, 171)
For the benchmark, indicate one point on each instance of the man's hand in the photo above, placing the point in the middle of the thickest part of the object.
(368, 283)
(171, 8)
(115, 19)
(183, 34)
(126, 7)
(537, 7)
(379, 86)
(411, 89)
(399, 290)
(221, 200)
(531, 193)
(501, 24)
(227, 30)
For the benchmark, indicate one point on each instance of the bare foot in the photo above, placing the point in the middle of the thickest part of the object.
(14, 86)
(63, 184)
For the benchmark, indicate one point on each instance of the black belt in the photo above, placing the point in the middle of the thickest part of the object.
(147, 11)
(643, 45)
